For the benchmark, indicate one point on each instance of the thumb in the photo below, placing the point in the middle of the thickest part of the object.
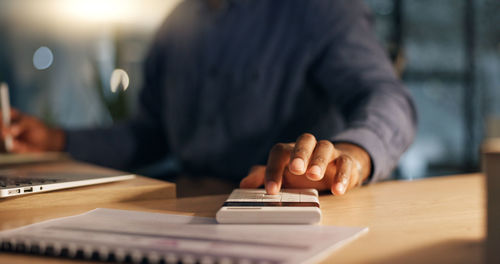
(19, 127)
(23, 147)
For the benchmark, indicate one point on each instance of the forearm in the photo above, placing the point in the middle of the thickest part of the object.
(123, 146)
(384, 126)
(378, 112)
(133, 143)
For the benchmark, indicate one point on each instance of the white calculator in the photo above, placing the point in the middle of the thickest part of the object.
(254, 206)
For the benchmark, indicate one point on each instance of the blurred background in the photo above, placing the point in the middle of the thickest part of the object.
(58, 57)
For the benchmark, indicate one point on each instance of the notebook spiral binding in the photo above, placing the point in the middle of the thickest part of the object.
(87, 252)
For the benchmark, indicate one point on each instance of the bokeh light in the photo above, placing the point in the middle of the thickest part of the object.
(119, 80)
(43, 58)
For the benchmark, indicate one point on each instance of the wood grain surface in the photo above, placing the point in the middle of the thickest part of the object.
(436, 220)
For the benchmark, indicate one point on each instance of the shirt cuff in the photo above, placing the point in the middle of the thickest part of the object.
(371, 143)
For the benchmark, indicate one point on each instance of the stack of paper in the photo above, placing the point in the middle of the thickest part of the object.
(118, 235)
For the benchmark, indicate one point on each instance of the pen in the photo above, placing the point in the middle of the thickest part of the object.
(4, 99)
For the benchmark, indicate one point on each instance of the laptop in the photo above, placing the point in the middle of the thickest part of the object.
(44, 177)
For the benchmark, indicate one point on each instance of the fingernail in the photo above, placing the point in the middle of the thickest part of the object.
(272, 187)
(298, 165)
(315, 171)
(341, 188)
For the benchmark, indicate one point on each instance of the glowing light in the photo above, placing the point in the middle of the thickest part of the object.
(100, 10)
(119, 79)
(43, 58)
(61, 16)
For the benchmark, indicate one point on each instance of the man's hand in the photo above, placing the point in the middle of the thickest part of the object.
(31, 135)
(308, 163)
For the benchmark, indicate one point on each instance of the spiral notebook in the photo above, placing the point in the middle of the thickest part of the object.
(140, 237)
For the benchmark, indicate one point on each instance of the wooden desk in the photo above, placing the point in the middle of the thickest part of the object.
(438, 220)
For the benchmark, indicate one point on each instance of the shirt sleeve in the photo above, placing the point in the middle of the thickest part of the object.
(132, 143)
(358, 78)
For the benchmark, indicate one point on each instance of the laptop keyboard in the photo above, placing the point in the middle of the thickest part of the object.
(11, 182)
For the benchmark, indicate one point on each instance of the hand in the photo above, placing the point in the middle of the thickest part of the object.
(308, 163)
(31, 135)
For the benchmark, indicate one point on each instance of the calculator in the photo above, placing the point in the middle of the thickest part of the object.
(254, 206)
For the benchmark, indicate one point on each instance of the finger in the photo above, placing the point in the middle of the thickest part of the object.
(278, 159)
(14, 115)
(19, 127)
(355, 179)
(16, 126)
(323, 154)
(21, 147)
(255, 177)
(301, 154)
(11, 131)
(5, 132)
(343, 177)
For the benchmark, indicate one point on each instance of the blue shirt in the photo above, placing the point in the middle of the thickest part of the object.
(223, 85)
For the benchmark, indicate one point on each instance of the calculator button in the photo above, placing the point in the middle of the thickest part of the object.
(271, 198)
(290, 197)
(249, 191)
(313, 192)
(241, 200)
(250, 195)
(245, 198)
(308, 198)
(295, 191)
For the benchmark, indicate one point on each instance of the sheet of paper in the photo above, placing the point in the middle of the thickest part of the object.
(156, 236)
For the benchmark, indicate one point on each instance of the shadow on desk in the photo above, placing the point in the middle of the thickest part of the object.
(450, 251)
(205, 206)
(194, 186)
